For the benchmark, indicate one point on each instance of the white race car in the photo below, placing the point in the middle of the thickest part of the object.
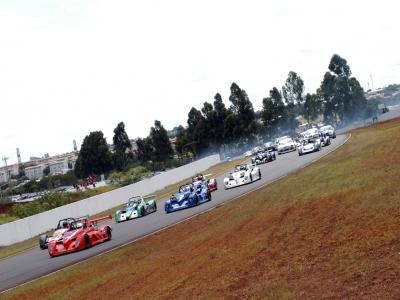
(242, 174)
(329, 130)
(325, 139)
(286, 144)
(311, 133)
(309, 145)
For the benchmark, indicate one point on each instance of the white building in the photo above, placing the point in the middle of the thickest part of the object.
(7, 172)
(34, 172)
(58, 167)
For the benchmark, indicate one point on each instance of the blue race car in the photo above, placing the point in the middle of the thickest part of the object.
(188, 195)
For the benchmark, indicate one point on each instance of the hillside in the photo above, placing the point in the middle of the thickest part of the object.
(330, 230)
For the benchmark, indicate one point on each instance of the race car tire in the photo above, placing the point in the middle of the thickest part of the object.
(259, 173)
(155, 206)
(109, 234)
(87, 242)
(142, 212)
(209, 196)
(42, 241)
(251, 178)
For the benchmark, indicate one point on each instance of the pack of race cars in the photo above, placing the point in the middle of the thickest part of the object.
(75, 234)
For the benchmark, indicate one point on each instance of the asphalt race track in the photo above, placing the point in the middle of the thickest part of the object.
(34, 263)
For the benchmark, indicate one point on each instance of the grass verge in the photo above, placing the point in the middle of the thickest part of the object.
(161, 194)
(330, 230)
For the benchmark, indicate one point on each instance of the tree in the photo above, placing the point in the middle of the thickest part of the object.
(160, 141)
(311, 107)
(46, 171)
(220, 115)
(206, 128)
(274, 112)
(293, 89)
(229, 128)
(121, 145)
(183, 141)
(359, 103)
(339, 66)
(94, 156)
(292, 92)
(197, 129)
(194, 118)
(144, 149)
(342, 95)
(244, 112)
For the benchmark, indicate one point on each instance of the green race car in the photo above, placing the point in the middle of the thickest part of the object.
(136, 207)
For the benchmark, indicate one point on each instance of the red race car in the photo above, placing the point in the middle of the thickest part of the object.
(211, 183)
(81, 234)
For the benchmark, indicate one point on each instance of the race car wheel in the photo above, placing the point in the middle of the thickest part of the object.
(142, 212)
(155, 206)
(209, 196)
(259, 174)
(251, 178)
(108, 234)
(87, 242)
(42, 241)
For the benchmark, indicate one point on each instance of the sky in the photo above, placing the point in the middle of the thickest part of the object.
(71, 67)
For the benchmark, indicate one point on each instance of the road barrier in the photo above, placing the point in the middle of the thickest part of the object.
(32, 226)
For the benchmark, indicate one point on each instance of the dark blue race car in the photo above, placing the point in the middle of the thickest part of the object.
(188, 195)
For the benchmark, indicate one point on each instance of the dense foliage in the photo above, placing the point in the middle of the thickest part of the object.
(122, 146)
(94, 156)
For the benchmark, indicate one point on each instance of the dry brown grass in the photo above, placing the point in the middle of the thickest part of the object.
(329, 231)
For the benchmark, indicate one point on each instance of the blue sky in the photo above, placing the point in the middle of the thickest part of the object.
(71, 67)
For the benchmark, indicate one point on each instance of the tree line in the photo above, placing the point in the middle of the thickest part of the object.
(339, 100)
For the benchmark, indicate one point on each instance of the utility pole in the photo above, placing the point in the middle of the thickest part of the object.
(5, 158)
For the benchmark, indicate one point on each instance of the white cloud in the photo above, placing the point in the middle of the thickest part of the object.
(68, 68)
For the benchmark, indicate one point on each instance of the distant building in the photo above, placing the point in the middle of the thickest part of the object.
(58, 164)
(58, 167)
(34, 172)
(7, 172)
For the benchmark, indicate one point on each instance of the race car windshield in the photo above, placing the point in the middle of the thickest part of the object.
(64, 223)
(285, 141)
(325, 128)
(241, 168)
(185, 188)
(198, 177)
(133, 203)
(75, 225)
